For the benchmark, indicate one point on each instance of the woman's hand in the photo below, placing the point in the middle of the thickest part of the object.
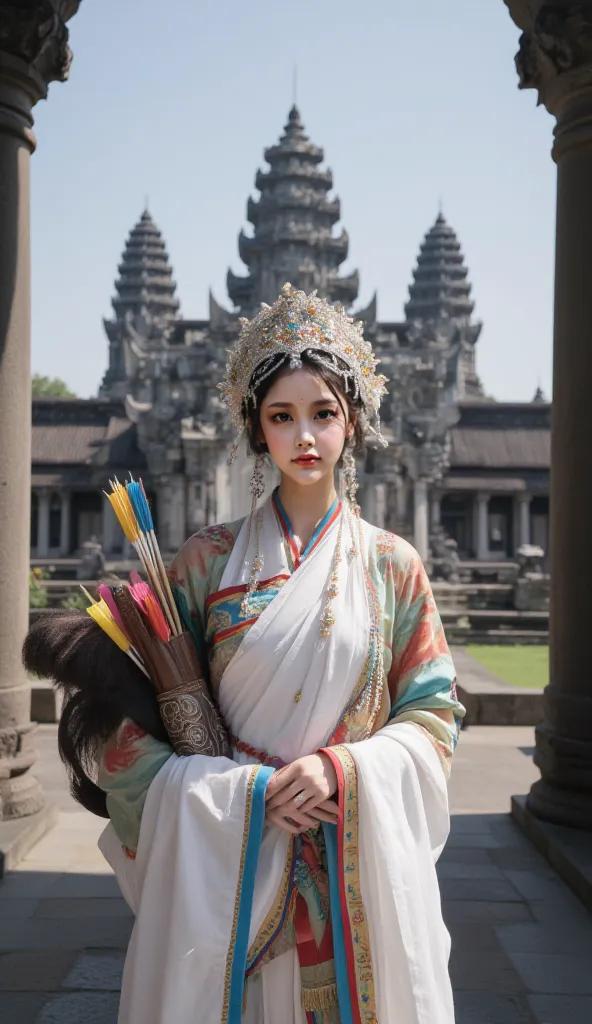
(301, 792)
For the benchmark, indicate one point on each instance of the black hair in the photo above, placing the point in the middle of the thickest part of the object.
(352, 408)
(101, 687)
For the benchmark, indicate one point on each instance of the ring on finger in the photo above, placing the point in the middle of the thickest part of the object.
(299, 798)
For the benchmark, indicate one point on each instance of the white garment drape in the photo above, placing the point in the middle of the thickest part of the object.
(403, 823)
(183, 884)
(183, 887)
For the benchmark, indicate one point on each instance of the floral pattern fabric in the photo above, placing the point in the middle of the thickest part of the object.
(417, 663)
(419, 683)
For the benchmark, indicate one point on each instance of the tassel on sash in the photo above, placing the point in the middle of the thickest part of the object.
(319, 998)
(318, 982)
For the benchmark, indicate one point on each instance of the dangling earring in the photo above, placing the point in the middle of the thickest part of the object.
(350, 476)
(257, 484)
(349, 488)
(257, 488)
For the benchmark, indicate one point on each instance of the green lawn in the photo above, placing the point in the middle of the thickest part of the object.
(525, 666)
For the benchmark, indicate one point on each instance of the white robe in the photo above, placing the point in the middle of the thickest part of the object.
(208, 872)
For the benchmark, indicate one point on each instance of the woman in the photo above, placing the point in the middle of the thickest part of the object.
(296, 882)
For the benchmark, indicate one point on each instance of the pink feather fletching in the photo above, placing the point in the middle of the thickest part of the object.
(104, 592)
(140, 590)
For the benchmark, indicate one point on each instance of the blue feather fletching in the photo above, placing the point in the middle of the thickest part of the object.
(140, 507)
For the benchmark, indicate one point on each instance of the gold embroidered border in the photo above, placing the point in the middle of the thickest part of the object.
(358, 921)
(237, 898)
(363, 709)
(277, 909)
(442, 749)
(444, 753)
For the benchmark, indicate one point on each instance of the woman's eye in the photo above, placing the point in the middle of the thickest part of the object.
(281, 417)
(326, 414)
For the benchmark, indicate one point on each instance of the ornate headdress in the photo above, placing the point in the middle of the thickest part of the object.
(296, 324)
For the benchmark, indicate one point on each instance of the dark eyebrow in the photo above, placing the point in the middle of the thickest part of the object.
(289, 405)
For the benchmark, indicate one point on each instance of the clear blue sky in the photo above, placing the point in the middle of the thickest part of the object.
(412, 103)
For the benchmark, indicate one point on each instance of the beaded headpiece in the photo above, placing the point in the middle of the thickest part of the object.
(295, 324)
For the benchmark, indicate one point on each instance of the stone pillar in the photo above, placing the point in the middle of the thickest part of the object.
(380, 506)
(177, 513)
(482, 527)
(420, 518)
(222, 491)
(162, 512)
(65, 525)
(523, 519)
(400, 501)
(33, 52)
(172, 527)
(436, 511)
(43, 525)
(555, 57)
(112, 532)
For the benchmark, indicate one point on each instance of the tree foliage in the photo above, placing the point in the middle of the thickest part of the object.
(50, 387)
(38, 597)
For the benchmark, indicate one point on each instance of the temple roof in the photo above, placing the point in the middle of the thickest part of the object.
(293, 222)
(515, 448)
(83, 432)
(440, 289)
(145, 282)
(495, 436)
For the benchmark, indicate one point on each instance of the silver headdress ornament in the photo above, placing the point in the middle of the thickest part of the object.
(297, 323)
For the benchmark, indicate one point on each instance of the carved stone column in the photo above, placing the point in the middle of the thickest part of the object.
(112, 534)
(482, 527)
(43, 525)
(33, 52)
(65, 524)
(420, 518)
(380, 506)
(222, 491)
(171, 502)
(523, 519)
(436, 502)
(400, 501)
(555, 58)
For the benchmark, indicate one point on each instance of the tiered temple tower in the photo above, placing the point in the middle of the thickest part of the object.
(439, 298)
(293, 224)
(440, 288)
(166, 368)
(144, 296)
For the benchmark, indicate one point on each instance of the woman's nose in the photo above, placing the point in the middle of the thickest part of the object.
(305, 440)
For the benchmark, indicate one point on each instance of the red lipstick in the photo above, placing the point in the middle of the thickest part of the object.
(306, 460)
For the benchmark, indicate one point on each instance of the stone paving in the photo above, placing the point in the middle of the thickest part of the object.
(522, 943)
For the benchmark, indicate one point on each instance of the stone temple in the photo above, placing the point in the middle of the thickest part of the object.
(457, 459)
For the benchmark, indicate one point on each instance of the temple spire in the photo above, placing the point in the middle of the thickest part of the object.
(293, 224)
(439, 298)
(440, 289)
(145, 283)
(144, 295)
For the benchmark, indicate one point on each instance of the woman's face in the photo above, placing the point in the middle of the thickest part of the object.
(304, 426)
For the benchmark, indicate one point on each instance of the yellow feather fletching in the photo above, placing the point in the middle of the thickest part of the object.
(103, 617)
(123, 509)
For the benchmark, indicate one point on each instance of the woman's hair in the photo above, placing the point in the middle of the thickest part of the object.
(352, 409)
(101, 687)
